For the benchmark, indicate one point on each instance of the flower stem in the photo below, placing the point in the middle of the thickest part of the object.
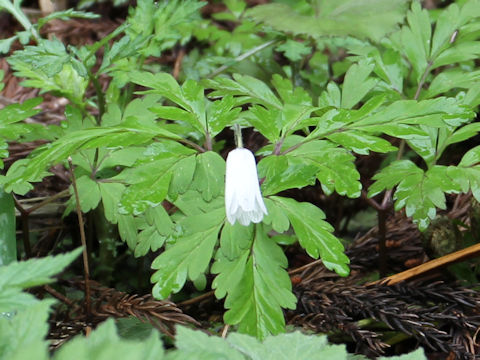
(81, 226)
(14, 9)
(238, 135)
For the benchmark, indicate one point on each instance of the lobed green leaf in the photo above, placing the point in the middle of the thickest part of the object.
(314, 234)
(360, 18)
(254, 279)
(335, 167)
(209, 175)
(190, 255)
(104, 343)
(419, 192)
(20, 275)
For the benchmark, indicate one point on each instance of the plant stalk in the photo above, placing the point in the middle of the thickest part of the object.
(82, 238)
(238, 135)
(24, 215)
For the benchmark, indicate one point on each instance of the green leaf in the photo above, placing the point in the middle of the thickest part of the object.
(244, 85)
(221, 113)
(290, 94)
(48, 56)
(400, 119)
(389, 67)
(17, 112)
(461, 52)
(231, 260)
(294, 50)
(173, 113)
(120, 52)
(20, 275)
(447, 46)
(393, 174)
(88, 192)
(132, 328)
(35, 272)
(335, 167)
(118, 157)
(331, 96)
(192, 203)
(111, 194)
(190, 255)
(190, 96)
(182, 176)
(267, 121)
(296, 117)
(236, 6)
(65, 15)
(426, 146)
(401, 131)
(416, 39)
(127, 133)
(287, 347)
(164, 24)
(447, 23)
(276, 217)
(361, 143)
(148, 239)
(140, 110)
(471, 157)
(141, 19)
(255, 281)
(163, 84)
(439, 112)
(193, 94)
(128, 230)
(154, 236)
(104, 344)
(193, 344)
(159, 217)
(464, 133)
(8, 239)
(14, 113)
(418, 354)
(50, 67)
(5, 44)
(314, 234)
(149, 191)
(357, 84)
(209, 175)
(420, 195)
(234, 240)
(23, 336)
(285, 172)
(472, 97)
(450, 79)
(419, 192)
(3, 151)
(360, 18)
(467, 173)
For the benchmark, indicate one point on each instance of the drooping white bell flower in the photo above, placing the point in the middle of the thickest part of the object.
(243, 200)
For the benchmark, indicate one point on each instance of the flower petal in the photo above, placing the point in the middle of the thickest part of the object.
(243, 199)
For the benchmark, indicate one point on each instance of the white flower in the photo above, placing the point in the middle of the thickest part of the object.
(243, 200)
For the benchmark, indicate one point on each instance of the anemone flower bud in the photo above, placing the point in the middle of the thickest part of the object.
(243, 200)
